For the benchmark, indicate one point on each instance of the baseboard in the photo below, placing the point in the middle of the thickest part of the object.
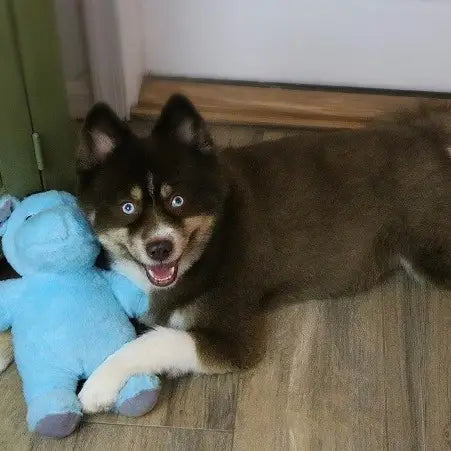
(275, 105)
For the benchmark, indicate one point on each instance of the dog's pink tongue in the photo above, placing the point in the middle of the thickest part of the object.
(162, 275)
(162, 272)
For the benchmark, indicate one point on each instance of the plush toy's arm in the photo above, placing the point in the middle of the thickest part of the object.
(10, 294)
(133, 300)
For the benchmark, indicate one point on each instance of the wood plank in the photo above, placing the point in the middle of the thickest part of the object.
(221, 134)
(50, 444)
(142, 128)
(437, 371)
(320, 385)
(365, 373)
(197, 403)
(244, 136)
(245, 104)
(202, 402)
(272, 135)
(13, 429)
(14, 434)
(401, 411)
(100, 437)
(417, 360)
(405, 313)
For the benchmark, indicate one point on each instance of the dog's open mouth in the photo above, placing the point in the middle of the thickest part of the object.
(163, 274)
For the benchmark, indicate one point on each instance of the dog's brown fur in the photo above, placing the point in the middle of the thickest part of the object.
(322, 214)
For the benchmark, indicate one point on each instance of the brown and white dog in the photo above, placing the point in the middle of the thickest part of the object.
(217, 236)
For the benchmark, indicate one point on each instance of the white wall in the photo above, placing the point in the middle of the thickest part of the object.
(400, 44)
(74, 55)
(70, 29)
(130, 19)
(115, 37)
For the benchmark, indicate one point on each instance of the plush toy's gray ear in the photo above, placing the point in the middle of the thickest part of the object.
(7, 205)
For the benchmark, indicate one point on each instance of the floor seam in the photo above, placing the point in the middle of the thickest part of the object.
(103, 423)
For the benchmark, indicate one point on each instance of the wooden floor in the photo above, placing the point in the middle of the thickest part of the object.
(367, 373)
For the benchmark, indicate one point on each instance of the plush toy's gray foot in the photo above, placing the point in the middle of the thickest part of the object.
(139, 404)
(138, 396)
(58, 425)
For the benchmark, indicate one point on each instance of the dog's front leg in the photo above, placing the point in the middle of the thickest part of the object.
(161, 350)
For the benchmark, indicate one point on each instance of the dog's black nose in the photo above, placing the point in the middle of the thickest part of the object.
(159, 250)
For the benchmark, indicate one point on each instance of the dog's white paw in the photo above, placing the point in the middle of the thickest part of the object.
(99, 392)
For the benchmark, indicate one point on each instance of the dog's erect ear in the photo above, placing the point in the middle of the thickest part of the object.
(180, 120)
(102, 132)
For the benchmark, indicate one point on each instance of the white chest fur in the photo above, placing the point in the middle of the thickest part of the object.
(179, 319)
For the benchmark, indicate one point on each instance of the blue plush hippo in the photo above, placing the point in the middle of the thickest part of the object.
(66, 315)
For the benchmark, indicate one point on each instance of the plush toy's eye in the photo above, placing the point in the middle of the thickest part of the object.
(28, 217)
(177, 201)
(128, 208)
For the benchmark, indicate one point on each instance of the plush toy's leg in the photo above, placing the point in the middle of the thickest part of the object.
(53, 406)
(138, 396)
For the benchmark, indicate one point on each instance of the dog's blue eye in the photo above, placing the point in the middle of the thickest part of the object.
(128, 208)
(177, 201)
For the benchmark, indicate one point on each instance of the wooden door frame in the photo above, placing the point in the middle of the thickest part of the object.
(115, 44)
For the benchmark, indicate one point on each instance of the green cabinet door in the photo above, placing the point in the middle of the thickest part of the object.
(18, 170)
(33, 100)
(43, 74)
